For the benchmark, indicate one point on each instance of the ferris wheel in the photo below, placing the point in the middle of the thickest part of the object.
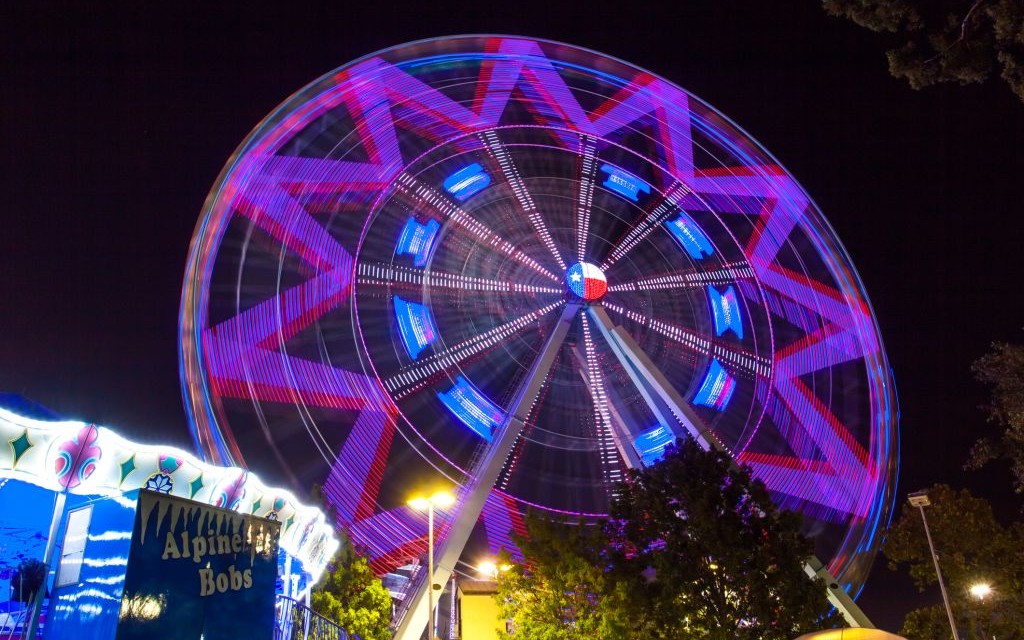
(520, 268)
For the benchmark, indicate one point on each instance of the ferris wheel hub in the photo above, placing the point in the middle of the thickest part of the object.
(586, 281)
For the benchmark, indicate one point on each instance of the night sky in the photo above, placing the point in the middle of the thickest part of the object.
(115, 119)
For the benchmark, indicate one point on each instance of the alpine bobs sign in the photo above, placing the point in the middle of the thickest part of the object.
(206, 572)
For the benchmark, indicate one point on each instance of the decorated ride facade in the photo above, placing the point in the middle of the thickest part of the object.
(135, 535)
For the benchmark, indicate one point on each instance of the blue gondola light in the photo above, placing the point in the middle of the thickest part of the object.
(467, 182)
(716, 389)
(472, 408)
(624, 183)
(690, 237)
(417, 240)
(725, 307)
(415, 325)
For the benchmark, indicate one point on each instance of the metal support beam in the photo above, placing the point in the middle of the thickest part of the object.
(484, 476)
(837, 595)
(651, 381)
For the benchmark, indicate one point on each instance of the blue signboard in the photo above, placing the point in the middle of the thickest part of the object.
(198, 572)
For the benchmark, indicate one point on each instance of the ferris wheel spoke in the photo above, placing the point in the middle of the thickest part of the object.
(423, 194)
(324, 176)
(807, 481)
(689, 279)
(648, 95)
(357, 471)
(696, 343)
(273, 321)
(823, 302)
(668, 206)
(780, 204)
(388, 275)
(652, 383)
(515, 181)
(586, 179)
(440, 363)
(284, 219)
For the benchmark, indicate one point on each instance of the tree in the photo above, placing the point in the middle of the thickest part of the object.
(28, 578)
(972, 547)
(959, 41)
(562, 591)
(694, 548)
(1003, 368)
(352, 596)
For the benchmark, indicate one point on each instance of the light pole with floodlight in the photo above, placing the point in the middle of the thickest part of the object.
(439, 499)
(920, 500)
(979, 591)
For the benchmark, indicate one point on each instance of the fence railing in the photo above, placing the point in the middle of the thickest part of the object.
(296, 621)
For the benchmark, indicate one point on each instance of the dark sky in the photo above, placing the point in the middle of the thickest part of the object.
(116, 118)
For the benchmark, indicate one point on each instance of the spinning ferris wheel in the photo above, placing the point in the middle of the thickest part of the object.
(521, 268)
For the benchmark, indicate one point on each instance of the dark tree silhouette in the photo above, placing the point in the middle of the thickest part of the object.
(694, 548)
(28, 578)
(961, 41)
(1003, 368)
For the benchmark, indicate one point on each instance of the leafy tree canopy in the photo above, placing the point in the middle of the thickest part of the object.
(1003, 368)
(27, 579)
(973, 547)
(962, 41)
(694, 548)
(352, 596)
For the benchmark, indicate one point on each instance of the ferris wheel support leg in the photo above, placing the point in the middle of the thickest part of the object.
(645, 374)
(485, 475)
(838, 596)
(651, 381)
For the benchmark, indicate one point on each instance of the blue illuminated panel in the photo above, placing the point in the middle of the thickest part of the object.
(417, 240)
(726, 309)
(416, 326)
(717, 388)
(467, 182)
(651, 444)
(688, 234)
(472, 408)
(624, 183)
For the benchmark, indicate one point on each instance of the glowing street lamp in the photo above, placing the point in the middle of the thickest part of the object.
(421, 503)
(981, 590)
(491, 568)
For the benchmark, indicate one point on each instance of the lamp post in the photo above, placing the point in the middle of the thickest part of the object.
(920, 500)
(980, 590)
(439, 499)
(491, 568)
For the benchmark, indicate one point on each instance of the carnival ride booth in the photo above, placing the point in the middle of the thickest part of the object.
(132, 536)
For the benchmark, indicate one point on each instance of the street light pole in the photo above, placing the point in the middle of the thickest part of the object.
(979, 591)
(441, 499)
(430, 572)
(920, 500)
